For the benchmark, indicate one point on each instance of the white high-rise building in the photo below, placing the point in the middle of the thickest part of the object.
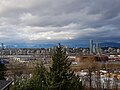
(91, 46)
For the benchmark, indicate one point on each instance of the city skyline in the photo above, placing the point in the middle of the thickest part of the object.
(51, 22)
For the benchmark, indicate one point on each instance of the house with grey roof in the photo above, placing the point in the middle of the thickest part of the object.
(5, 85)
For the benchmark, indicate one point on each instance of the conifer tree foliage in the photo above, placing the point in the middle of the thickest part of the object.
(61, 77)
(36, 82)
(2, 71)
(57, 77)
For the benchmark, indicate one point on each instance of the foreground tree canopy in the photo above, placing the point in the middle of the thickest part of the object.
(57, 77)
(2, 71)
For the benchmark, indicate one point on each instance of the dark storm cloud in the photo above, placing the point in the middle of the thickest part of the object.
(52, 20)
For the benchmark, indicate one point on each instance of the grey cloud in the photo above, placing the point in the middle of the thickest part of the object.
(46, 19)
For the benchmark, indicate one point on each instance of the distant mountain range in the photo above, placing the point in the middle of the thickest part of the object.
(30, 45)
(110, 44)
(49, 45)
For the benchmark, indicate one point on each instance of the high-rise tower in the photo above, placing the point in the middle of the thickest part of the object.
(98, 48)
(91, 46)
(2, 46)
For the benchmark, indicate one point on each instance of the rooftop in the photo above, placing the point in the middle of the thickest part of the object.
(4, 84)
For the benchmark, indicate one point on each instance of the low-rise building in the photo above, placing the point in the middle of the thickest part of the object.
(5, 85)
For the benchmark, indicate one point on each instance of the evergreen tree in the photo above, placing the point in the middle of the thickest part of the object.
(36, 82)
(39, 78)
(2, 71)
(60, 76)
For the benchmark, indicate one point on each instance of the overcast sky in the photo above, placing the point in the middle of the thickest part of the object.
(37, 21)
